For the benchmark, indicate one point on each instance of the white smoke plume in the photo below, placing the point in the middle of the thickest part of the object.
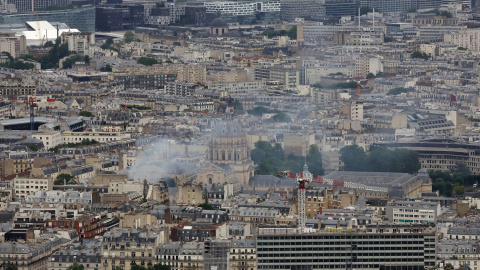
(155, 162)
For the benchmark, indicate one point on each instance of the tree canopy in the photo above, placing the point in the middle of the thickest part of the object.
(397, 91)
(457, 180)
(278, 117)
(365, 10)
(33, 147)
(71, 145)
(292, 33)
(63, 179)
(128, 36)
(439, 13)
(85, 113)
(379, 160)
(10, 266)
(147, 61)
(237, 105)
(339, 85)
(57, 52)
(420, 55)
(106, 68)
(354, 158)
(16, 63)
(206, 206)
(68, 63)
(258, 111)
(271, 159)
(282, 117)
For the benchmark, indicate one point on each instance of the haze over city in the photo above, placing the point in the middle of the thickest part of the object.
(239, 135)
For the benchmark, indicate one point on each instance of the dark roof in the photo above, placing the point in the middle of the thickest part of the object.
(271, 181)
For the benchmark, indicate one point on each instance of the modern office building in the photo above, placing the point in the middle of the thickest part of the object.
(400, 5)
(242, 8)
(119, 17)
(442, 154)
(195, 15)
(288, 77)
(426, 4)
(412, 211)
(307, 9)
(233, 8)
(145, 81)
(394, 247)
(318, 32)
(181, 89)
(339, 8)
(387, 5)
(82, 18)
(244, 12)
(31, 6)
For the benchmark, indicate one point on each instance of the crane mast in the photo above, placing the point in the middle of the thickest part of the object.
(302, 179)
(33, 104)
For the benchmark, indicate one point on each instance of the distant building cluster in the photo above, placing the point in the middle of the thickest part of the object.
(239, 135)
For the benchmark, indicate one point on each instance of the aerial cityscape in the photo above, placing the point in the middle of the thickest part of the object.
(239, 134)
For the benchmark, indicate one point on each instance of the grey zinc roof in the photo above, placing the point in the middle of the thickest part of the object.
(372, 178)
(271, 181)
(464, 230)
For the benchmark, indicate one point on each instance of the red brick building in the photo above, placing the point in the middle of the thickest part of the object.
(87, 226)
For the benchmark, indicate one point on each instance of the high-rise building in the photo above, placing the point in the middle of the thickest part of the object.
(338, 8)
(31, 6)
(196, 15)
(400, 5)
(119, 17)
(426, 4)
(82, 18)
(388, 5)
(307, 9)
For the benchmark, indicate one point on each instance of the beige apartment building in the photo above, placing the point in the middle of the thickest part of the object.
(26, 186)
(125, 247)
(49, 139)
(190, 194)
(185, 73)
(389, 120)
(442, 155)
(101, 137)
(354, 110)
(26, 256)
(465, 38)
(243, 255)
(297, 144)
(137, 220)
